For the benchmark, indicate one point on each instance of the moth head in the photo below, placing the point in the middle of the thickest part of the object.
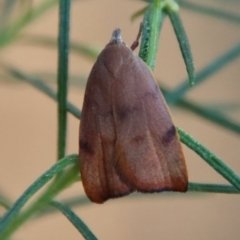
(116, 37)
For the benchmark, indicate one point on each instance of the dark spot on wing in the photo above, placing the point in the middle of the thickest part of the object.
(137, 139)
(169, 135)
(86, 147)
(123, 112)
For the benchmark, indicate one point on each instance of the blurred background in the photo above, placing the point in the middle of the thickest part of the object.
(28, 119)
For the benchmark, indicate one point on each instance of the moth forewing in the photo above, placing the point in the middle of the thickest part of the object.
(127, 139)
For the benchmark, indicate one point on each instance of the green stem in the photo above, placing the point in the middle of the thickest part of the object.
(75, 220)
(215, 188)
(214, 161)
(214, 116)
(12, 220)
(214, 12)
(4, 203)
(152, 23)
(204, 112)
(70, 202)
(183, 44)
(63, 49)
(26, 18)
(204, 73)
(40, 85)
(154, 34)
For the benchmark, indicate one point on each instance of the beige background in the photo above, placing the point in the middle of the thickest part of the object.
(28, 129)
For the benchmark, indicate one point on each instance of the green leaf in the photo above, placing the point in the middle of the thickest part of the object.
(183, 44)
(10, 33)
(75, 220)
(39, 183)
(49, 78)
(70, 202)
(4, 203)
(224, 106)
(214, 161)
(203, 74)
(7, 8)
(138, 13)
(40, 85)
(211, 11)
(78, 48)
(215, 116)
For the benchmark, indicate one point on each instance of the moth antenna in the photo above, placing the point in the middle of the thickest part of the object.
(136, 42)
(116, 37)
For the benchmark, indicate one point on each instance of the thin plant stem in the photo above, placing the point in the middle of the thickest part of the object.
(223, 15)
(209, 157)
(204, 73)
(216, 188)
(152, 23)
(75, 220)
(12, 220)
(63, 50)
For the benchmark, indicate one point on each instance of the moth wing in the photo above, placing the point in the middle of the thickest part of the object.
(150, 156)
(97, 140)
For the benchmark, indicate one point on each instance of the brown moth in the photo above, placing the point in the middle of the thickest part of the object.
(127, 138)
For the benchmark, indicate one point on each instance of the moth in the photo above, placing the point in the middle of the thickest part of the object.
(127, 138)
